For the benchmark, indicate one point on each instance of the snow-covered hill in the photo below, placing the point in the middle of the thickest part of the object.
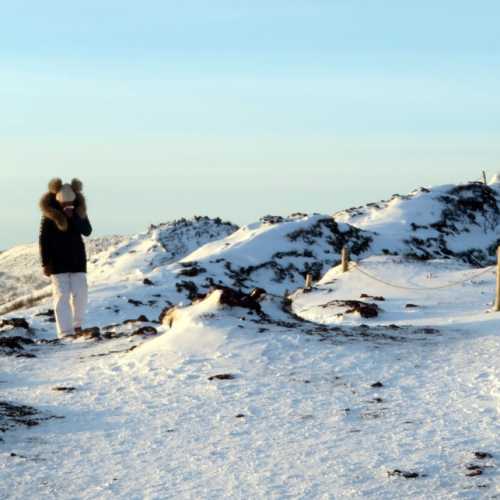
(460, 221)
(159, 246)
(277, 252)
(114, 256)
(381, 382)
(20, 269)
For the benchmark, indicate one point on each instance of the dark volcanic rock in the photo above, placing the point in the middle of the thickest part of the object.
(11, 345)
(49, 313)
(145, 330)
(190, 287)
(25, 355)
(14, 415)
(222, 376)
(135, 303)
(403, 473)
(378, 298)
(235, 298)
(272, 219)
(474, 473)
(15, 323)
(64, 389)
(140, 319)
(191, 269)
(89, 333)
(364, 309)
(474, 470)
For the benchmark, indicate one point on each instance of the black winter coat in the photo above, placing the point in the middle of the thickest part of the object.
(63, 251)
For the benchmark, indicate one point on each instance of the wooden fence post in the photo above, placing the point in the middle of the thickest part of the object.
(309, 282)
(496, 308)
(345, 259)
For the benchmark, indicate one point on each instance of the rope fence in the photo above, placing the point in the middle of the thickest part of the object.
(347, 265)
(358, 268)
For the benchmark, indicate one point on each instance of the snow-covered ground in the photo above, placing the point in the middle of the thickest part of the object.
(312, 401)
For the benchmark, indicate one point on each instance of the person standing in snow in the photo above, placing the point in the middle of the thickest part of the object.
(62, 252)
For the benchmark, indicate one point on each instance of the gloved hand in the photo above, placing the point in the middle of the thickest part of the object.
(68, 211)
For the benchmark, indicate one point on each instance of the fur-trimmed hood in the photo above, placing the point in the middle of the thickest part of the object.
(52, 210)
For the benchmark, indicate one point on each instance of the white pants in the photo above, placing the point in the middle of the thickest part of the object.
(69, 292)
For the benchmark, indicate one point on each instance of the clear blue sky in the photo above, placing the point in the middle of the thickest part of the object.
(241, 108)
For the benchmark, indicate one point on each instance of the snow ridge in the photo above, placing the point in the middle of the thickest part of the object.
(451, 221)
